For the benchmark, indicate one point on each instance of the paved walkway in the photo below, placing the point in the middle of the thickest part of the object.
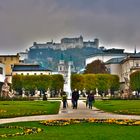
(80, 113)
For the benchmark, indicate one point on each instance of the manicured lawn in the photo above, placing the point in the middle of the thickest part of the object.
(119, 106)
(84, 131)
(10, 109)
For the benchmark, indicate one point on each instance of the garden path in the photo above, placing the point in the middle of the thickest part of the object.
(79, 113)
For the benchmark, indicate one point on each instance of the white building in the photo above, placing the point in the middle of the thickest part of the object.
(106, 55)
(30, 69)
(123, 67)
(23, 56)
(114, 67)
(130, 64)
(2, 72)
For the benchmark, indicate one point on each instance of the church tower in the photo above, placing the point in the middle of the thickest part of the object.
(62, 69)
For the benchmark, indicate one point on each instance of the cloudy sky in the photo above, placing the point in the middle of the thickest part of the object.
(115, 22)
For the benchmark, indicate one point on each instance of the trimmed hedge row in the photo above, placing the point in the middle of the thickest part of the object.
(135, 81)
(40, 82)
(102, 82)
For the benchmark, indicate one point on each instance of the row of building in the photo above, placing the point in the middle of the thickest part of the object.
(119, 63)
(12, 65)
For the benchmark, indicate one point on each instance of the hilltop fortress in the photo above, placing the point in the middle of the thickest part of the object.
(67, 43)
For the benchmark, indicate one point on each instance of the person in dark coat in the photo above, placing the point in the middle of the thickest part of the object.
(87, 94)
(64, 99)
(90, 99)
(75, 97)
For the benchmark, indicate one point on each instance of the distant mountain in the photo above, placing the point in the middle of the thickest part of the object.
(49, 58)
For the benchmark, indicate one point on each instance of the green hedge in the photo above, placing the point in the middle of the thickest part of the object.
(135, 81)
(41, 82)
(102, 82)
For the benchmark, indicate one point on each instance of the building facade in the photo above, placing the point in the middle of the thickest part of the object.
(9, 61)
(30, 69)
(106, 55)
(129, 65)
(2, 72)
(23, 56)
(124, 67)
(114, 67)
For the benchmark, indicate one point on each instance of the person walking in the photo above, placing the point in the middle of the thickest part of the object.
(75, 97)
(90, 99)
(87, 94)
(64, 100)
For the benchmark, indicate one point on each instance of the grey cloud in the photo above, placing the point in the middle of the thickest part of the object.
(114, 22)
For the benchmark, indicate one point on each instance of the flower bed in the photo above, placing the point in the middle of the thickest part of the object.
(26, 131)
(64, 122)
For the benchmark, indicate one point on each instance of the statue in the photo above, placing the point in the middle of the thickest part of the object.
(23, 93)
(37, 93)
(48, 93)
(5, 89)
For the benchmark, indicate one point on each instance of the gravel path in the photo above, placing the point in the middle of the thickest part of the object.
(79, 113)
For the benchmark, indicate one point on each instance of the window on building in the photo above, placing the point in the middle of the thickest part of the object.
(109, 70)
(1, 70)
(137, 64)
(60, 68)
(11, 58)
(12, 66)
(4, 58)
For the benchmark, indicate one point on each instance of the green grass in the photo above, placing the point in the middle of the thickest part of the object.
(9, 109)
(85, 131)
(119, 106)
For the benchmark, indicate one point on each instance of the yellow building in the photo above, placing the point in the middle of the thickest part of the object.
(9, 61)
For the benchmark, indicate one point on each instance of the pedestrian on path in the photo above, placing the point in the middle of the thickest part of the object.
(64, 100)
(87, 93)
(90, 100)
(75, 97)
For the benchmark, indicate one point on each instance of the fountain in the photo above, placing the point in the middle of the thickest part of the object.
(67, 84)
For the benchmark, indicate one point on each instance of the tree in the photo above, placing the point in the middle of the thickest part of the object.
(57, 82)
(135, 81)
(77, 81)
(40, 82)
(96, 67)
(44, 82)
(102, 82)
(114, 83)
(17, 83)
(90, 82)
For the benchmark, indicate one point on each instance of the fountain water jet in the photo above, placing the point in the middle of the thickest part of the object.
(67, 84)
